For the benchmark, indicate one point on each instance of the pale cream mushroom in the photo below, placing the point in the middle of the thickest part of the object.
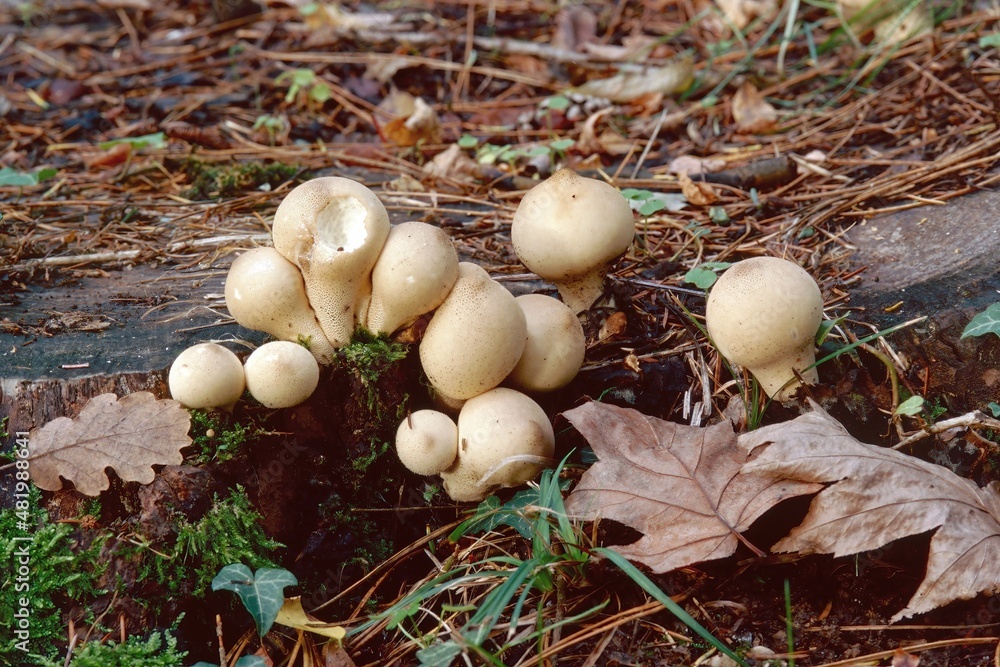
(206, 375)
(763, 314)
(569, 229)
(475, 337)
(504, 439)
(556, 345)
(281, 374)
(414, 273)
(265, 292)
(333, 229)
(427, 442)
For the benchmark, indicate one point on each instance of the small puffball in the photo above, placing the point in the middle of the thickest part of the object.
(556, 345)
(206, 375)
(281, 374)
(427, 442)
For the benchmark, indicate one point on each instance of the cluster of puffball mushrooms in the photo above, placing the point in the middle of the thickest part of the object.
(337, 265)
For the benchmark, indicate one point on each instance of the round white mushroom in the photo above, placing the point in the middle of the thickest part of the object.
(556, 345)
(414, 273)
(333, 229)
(569, 229)
(504, 439)
(763, 314)
(265, 292)
(206, 375)
(475, 337)
(427, 442)
(281, 374)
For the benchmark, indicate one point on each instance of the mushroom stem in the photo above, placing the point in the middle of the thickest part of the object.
(583, 292)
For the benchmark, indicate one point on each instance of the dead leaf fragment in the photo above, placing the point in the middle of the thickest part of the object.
(681, 486)
(752, 113)
(741, 12)
(293, 615)
(697, 193)
(629, 86)
(130, 435)
(877, 495)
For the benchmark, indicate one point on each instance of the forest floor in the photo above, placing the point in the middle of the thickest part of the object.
(160, 137)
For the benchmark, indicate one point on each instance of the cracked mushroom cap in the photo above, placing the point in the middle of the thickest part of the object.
(427, 442)
(333, 229)
(414, 273)
(281, 374)
(556, 345)
(569, 229)
(206, 375)
(763, 314)
(475, 337)
(265, 292)
(504, 439)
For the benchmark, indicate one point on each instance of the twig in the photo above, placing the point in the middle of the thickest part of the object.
(974, 418)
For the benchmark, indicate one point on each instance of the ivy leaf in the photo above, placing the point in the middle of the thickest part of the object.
(985, 322)
(263, 593)
(911, 406)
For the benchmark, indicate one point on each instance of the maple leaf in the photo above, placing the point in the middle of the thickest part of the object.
(681, 486)
(130, 435)
(879, 495)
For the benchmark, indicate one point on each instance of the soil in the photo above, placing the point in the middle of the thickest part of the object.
(118, 261)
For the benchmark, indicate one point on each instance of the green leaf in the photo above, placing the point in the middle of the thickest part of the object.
(989, 41)
(718, 215)
(994, 408)
(562, 144)
(157, 140)
(320, 92)
(251, 661)
(10, 176)
(705, 275)
(911, 406)
(439, 654)
(633, 194)
(826, 326)
(558, 102)
(651, 206)
(261, 593)
(467, 141)
(985, 322)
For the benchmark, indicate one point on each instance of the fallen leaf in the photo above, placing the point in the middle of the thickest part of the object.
(681, 486)
(689, 164)
(130, 435)
(697, 193)
(741, 12)
(877, 495)
(576, 25)
(453, 163)
(292, 615)
(752, 113)
(414, 121)
(628, 86)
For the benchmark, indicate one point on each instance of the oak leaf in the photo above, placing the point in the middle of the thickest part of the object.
(682, 486)
(877, 495)
(130, 435)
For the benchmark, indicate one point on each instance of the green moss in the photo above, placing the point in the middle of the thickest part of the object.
(58, 571)
(216, 441)
(230, 532)
(158, 650)
(211, 181)
(369, 356)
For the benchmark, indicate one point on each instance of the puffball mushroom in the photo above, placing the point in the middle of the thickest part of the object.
(763, 314)
(333, 229)
(206, 375)
(475, 337)
(281, 374)
(492, 428)
(569, 229)
(427, 442)
(265, 292)
(414, 273)
(556, 345)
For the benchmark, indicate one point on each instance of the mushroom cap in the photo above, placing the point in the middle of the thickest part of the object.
(265, 292)
(333, 229)
(281, 374)
(569, 229)
(763, 314)
(414, 273)
(427, 442)
(491, 428)
(206, 375)
(475, 337)
(556, 345)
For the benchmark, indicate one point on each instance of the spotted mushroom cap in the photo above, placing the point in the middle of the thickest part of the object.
(206, 375)
(427, 442)
(556, 345)
(281, 374)
(475, 337)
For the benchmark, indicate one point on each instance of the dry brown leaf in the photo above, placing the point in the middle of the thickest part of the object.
(293, 615)
(672, 78)
(679, 485)
(752, 112)
(697, 193)
(741, 12)
(877, 495)
(130, 435)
